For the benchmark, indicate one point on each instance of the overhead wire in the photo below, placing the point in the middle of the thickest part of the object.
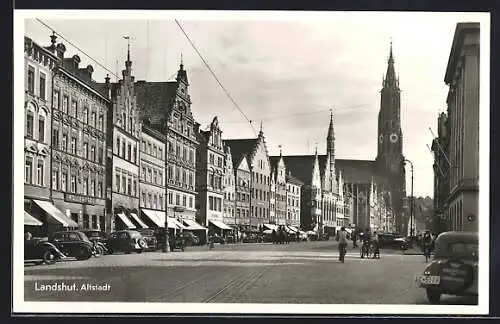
(214, 75)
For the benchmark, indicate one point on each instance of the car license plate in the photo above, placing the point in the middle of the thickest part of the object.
(428, 280)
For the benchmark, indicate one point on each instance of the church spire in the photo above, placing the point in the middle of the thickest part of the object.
(182, 74)
(390, 76)
(128, 62)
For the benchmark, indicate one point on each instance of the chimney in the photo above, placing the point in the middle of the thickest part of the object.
(53, 39)
(108, 85)
(60, 48)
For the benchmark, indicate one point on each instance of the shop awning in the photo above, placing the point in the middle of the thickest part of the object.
(220, 225)
(153, 216)
(56, 213)
(288, 230)
(192, 225)
(179, 225)
(127, 221)
(271, 226)
(138, 220)
(31, 221)
(292, 228)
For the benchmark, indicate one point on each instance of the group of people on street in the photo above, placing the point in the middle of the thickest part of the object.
(281, 236)
(367, 238)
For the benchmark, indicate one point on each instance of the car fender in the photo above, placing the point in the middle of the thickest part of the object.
(456, 275)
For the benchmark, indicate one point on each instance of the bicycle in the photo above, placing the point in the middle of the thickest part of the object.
(366, 250)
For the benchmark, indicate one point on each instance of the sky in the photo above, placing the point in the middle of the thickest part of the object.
(285, 71)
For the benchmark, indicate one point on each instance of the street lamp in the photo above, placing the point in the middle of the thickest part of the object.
(411, 199)
(166, 247)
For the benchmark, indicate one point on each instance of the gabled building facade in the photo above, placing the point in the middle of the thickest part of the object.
(256, 152)
(243, 189)
(229, 201)
(293, 189)
(167, 107)
(210, 176)
(278, 180)
(123, 160)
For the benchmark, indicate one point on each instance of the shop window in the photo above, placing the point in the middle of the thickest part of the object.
(94, 221)
(86, 221)
(74, 217)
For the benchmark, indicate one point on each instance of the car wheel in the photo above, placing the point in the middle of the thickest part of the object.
(110, 251)
(139, 251)
(433, 296)
(84, 254)
(99, 251)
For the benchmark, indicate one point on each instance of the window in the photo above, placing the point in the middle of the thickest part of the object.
(85, 225)
(65, 142)
(101, 156)
(55, 179)
(134, 188)
(55, 138)
(65, 104)
(170, 198)
(143, 173)
(99, 189)
(55, 100)
(184, 177)
(124, 120)
(28, 170)
(155, 177)
(178, 151)
(73, 183)
(86, 186)
(101, 123)
(129, 187)
(117, 146)
(178, 200)
(74, 109)
(117, 180)
(93, 119)
(211, 203)
(85, 114)
(39, 173)
(160, 202)
(160, 153)
(191, 180)
(191, 156)
(155, 202)
(150, 175)
(41, 129)
(73, 145)
(94, 221)
(42, 85)
(184, 154)
(211, 158)
(31, 79)
(160, 178)
(29, 124)
(143, 200)
(64, 181)
(123, 150)
(123, 184)
(129, 152)
(86, 150)
(150, 149)
(92, 187)
(184, 201)
(190, 202)
(155, 153)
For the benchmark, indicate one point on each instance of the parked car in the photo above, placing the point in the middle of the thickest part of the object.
(217, 239)
(150, 238)
(73, 244)
(190, 239)
(176, 242)
(230, 239)
(126, 241)
(250, 238)
(39, 250)
(454, 267)
(99, 239)
(392, 240)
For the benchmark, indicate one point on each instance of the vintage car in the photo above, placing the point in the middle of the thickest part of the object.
(73, 244)
(190, 239)
(150, 238)
(392, 241)
(454, 267)
(176, 242)
(39, 250)
(126, 241)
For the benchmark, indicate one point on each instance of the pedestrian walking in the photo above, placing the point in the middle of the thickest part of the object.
(273, 236)
(341, 237)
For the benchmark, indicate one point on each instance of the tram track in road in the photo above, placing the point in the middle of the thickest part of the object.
(236, 287)
(164, 297)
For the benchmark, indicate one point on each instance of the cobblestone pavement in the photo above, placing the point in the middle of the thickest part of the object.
(306, 272)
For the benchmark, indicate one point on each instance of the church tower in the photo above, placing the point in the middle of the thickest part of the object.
(390, 136)
(330, 151)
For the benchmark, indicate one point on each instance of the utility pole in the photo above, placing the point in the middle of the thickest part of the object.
(411, 199)
(166, 248)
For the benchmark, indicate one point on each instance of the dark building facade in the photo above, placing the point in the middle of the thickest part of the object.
(167, 107)
(242, 181)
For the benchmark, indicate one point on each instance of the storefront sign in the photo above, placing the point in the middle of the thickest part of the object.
(81, 199)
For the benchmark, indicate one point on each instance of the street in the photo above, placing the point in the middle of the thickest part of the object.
(307, 272)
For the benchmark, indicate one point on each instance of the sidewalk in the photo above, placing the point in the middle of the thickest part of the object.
(415, 250)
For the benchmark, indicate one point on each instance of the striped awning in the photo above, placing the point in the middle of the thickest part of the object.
(126, 221)
(31, 221)
(138, 220)
(56, 214)
(192, 225)
(153, 216)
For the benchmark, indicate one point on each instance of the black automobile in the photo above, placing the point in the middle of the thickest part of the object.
(190, 239)
(39, 250)
(73, 244)
(392, 241)
(454, 267)
(150, 238)
(126, 241)
(96, 235)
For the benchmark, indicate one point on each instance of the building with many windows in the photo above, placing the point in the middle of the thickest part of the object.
(243, 188)
(124, 134)
(167, 107)
(229, 202)
(39, 64)
(256, 152)
(462, 77)
(152, 176)
(293, 189)
(210, 178)
(278, 180)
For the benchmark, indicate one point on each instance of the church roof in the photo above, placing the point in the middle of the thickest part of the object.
(301, 166)
(154, 99)
(240, 148)
(359, 171)
(290, 178)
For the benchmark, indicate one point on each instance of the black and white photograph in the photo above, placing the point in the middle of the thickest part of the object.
(251, 162)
